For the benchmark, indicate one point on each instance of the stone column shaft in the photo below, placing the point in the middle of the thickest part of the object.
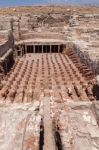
(58, 48)
(50, 48)
(34, 48)
(42, 48)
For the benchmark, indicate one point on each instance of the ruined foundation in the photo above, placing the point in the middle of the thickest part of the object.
(48, 73)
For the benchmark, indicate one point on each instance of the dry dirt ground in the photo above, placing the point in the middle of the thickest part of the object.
(50, 9)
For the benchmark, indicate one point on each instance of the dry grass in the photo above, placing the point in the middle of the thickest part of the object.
(49, 9)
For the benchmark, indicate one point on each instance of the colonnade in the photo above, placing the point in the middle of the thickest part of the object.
(24, 49)
(42, 48)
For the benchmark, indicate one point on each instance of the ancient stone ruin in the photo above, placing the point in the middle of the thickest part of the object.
(49, 85)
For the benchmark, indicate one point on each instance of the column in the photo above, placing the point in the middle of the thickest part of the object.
(33, 48)
(21, 50)
(54, 48)
(50, 48)
(25, 49)
(42, 48)
(58, 48)
(45, 48)
(30, 49)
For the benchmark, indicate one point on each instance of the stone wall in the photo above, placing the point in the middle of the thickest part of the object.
(4, 48)
(7, 45)
(6, 54)
(42, 35)
(85, 58)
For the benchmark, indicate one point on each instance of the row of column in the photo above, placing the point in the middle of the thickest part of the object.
(24, 49)
(42, 48)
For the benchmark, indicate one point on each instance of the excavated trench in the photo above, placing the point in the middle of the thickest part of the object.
(46, 67)
(54, 71)
(58, 140)
(56, 135)
(41, 137)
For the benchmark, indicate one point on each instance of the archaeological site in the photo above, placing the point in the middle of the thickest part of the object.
(49, 78)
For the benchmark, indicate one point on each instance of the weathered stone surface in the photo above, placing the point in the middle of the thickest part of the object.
(79, 128)
(19, 127)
